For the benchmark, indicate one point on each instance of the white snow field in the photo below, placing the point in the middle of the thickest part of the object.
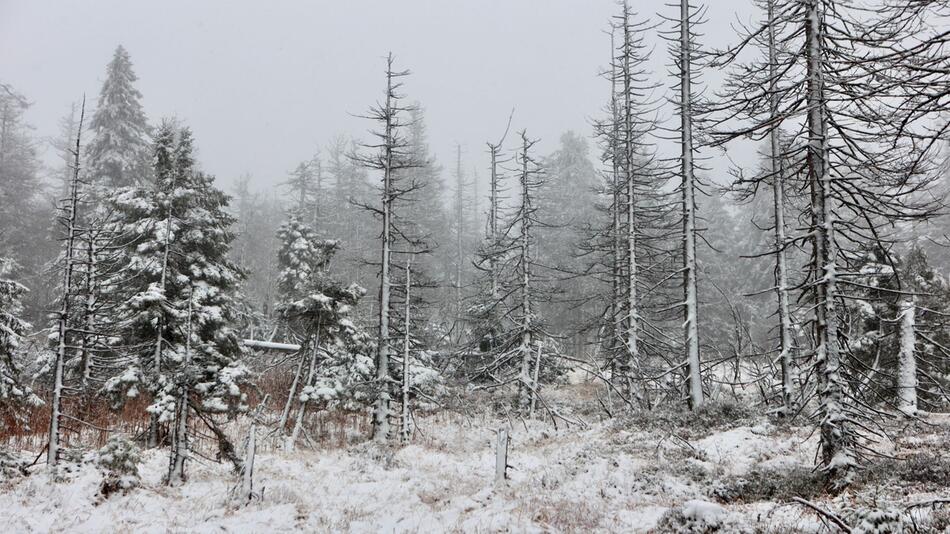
(607, 476)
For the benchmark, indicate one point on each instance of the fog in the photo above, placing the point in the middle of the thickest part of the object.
(266, 84)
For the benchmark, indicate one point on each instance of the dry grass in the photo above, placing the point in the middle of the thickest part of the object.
(557, 515)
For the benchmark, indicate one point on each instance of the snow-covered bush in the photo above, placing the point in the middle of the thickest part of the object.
(921, 469)
(699, 517)
(425, 380)
(877, 521)
(119, 462)
(712, 415)
(11, 466)
(770, 484)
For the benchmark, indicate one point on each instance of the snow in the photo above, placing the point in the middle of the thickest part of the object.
(565, 480)
(609, 476)
(703, 511)
(738, 449)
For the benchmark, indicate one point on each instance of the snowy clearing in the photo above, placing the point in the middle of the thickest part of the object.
(608, 477)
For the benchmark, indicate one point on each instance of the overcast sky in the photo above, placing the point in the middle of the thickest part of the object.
(264, 84)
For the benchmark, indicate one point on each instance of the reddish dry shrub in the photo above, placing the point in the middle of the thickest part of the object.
(29, 431)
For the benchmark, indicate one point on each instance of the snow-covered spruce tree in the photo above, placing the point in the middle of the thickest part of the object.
(851, 80)
(118, 154)
(177, 237)
(14, 394)
(300, 258)
(898, 321)
(335, 356)
(924, 358)
(390, 153)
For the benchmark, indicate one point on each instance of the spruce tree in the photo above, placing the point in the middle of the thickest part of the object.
(118, 153)
(335, 355)
(180, 288)
(13, 393)
(23, 215)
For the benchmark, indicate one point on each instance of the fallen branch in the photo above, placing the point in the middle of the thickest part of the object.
(824, 513)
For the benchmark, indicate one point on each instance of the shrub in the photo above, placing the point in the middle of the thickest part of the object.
(11, 466)
(877, 521)
(925, 469)
(711, 416)
(699, 517)
(771, 484)
(118, 460)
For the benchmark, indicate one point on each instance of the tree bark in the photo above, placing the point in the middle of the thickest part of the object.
(52, 453)
(406, 430)
(781, 269)
(381, 429)
(688, 186)
(907, 361)
(836, 438)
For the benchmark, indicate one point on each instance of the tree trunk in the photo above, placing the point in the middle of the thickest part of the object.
(781, 269)
(837, 439)
(153, 425)
(526, 390)
(52, 453)
(88, 339)
(179, 452)
(406, 431)
(615, 326)
(381, 415)
(691, 302)
(285, 414)
(632, 359)
(302, 409)
(907, 361)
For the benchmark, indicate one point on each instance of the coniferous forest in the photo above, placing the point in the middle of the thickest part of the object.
(721, 304)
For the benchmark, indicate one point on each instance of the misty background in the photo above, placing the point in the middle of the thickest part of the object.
(265, 85)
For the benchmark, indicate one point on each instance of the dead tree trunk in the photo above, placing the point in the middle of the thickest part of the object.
(69, 219)
(688, 190)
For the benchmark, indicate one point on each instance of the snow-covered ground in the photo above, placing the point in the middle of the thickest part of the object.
(609, 475)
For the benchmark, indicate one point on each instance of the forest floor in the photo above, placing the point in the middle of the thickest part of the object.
(725, 470)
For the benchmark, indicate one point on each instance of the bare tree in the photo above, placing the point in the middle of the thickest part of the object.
(860, 151)
(69, 220)
(389, 154)
(529, 346)
(685, 54)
